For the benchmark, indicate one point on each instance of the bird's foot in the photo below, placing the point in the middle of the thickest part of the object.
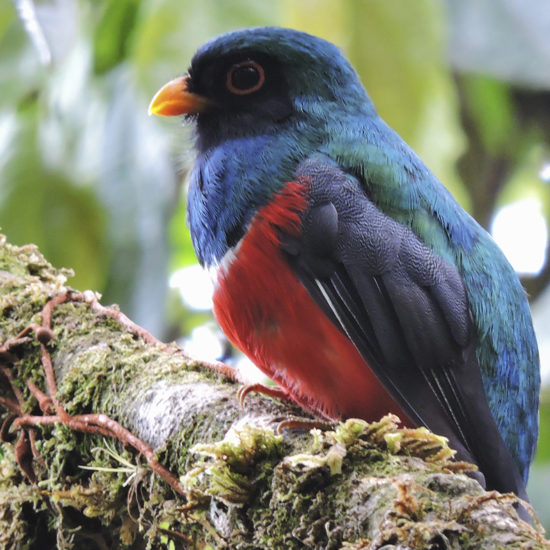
(271, 391)
(305, 424)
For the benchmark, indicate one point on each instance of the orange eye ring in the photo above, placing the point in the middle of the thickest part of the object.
(251, 89)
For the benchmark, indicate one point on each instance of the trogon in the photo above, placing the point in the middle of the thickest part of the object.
(343, 268)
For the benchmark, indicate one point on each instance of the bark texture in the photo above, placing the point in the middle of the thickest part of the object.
(241, 484)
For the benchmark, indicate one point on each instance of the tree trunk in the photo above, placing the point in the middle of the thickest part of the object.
(71, 478)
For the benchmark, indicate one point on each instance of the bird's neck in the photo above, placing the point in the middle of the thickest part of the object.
(234, 178)
(231, 182)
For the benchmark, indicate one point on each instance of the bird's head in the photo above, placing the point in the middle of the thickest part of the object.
(262, 80)
(262, 101)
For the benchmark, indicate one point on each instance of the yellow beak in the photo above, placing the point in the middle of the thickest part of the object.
(175, 99)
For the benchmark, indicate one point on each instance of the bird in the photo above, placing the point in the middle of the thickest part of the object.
(342, 267)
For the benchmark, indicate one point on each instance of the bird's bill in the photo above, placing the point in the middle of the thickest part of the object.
(174, 98)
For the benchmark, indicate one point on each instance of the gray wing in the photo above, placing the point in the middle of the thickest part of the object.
(407, 312)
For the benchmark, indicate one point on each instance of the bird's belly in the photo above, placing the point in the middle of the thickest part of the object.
(268, 314)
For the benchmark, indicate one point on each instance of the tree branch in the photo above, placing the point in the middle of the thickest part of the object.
(94, 410)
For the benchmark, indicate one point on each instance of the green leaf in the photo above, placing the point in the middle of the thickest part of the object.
(21, 74)
(114, 33)
(170, 31)
(39, 205)
(395, 46)
(7, 16)
(543, 450)
(180, 240)
(492, 109)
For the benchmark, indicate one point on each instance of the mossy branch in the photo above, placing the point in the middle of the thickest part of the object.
(239, 484)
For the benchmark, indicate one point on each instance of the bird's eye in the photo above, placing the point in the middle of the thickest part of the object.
(245, 78)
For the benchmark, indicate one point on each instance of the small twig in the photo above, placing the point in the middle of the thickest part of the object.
(103, 425)
(176, 535)
(23, 456)
(90, 423)
(44, 401)
(128, 438)
(90, 297)
(51, 304)
(36, 455)
(227, 371)
(18, 340)
(5, 428)
(72, 422)
(10, 405)
(15, 390)
(50, 379)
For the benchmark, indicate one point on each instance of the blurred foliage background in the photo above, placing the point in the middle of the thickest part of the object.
(99, 186)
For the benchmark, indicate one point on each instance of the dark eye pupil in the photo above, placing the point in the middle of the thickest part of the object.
(243, 78)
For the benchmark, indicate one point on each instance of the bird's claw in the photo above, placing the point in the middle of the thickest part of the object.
(271, 391)
(304, 424)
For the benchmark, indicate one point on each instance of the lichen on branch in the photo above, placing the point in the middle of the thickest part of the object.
(81, 443)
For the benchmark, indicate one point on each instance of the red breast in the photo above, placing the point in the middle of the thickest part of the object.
(266, 312)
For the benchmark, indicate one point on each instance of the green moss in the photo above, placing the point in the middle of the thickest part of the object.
(358, 485)
(227, 468)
